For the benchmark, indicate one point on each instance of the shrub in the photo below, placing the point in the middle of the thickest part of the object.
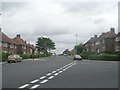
(107, 57)
(3, 56)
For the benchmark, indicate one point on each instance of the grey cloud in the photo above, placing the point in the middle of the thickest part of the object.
(98, 21)
(81, 7)
(7, 6)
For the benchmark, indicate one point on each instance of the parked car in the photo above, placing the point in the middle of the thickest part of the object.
(14, 58)
(77, 57)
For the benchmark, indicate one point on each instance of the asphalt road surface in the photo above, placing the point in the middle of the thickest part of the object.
(60, 72)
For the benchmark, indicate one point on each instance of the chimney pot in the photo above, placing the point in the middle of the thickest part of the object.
(112, 29)
(18, 35)
(95, 36)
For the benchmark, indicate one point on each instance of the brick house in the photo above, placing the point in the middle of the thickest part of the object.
(7, 45)
(21, 45)
(117, 43)
(30, 49)
(90, 44)
(103, 43)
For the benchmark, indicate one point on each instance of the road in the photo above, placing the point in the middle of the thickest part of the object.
(60, 72)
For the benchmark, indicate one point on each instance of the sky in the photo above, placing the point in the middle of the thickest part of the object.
(58, 19)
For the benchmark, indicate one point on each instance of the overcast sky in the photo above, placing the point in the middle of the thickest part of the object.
(59, 20)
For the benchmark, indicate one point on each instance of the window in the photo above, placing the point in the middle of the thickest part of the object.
(5, 45)
(103, 41)
(117, 38)
(116, 48)
(92, 44)
(11, 46)
(97, 43)
(0, 43)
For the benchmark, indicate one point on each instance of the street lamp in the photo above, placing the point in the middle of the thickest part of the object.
(76, 43)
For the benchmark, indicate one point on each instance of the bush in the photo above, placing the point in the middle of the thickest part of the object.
(107, 57)
(25, 56)
(3, 56)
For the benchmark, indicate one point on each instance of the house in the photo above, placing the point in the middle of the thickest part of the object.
(66, 52)
(30, 49)
(7, 45)
(21, 45)
(117, 43)
(90, 44)
(103, 43)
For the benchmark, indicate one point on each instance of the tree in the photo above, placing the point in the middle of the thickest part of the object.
(45, 44)
(79, 48)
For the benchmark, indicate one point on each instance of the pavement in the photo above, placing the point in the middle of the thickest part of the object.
(60, 72)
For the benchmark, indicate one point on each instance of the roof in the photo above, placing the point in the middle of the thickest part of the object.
(6, 39)
(118, 35)
(31, 46)
(109, 34)
(20, 41)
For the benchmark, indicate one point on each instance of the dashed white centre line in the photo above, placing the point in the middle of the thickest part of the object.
(42, 77)
(60, 71)
(34, 81)
(35, 86)
(63, 69)
(51, 77)
(44, 81)
(53, 71)
(56, 74)
(23, 86)
(49, 74)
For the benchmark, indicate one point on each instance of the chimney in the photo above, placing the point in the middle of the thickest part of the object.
(95, 36)
(112, 29)
(18, 35)
(103, 33)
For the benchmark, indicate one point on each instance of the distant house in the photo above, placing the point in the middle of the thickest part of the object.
(103, 43)
(117, 43)
(66, 52)
(30, 49)
(7, 45)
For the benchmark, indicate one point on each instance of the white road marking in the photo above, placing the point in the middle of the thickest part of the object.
(42, 77)
(34, 81)
(44, 81)
(56, 74)
(51, 77)
(49, 74)
(35, 86)
(60, 71)
(53, 71)
(63, 69)
(23, 86)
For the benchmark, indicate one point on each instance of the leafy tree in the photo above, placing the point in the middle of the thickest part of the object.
(79, 48)
(44, 44)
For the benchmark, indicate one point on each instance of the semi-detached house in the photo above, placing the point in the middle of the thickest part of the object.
(7, 45)
(16, 45)
(104, 43)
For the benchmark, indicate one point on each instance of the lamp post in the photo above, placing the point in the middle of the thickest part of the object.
(76, 43)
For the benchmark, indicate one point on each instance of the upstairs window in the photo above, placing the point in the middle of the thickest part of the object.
(117, 39)
(5, 45)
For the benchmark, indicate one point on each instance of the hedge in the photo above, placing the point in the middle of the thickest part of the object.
(3, 56)
(107, 57)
